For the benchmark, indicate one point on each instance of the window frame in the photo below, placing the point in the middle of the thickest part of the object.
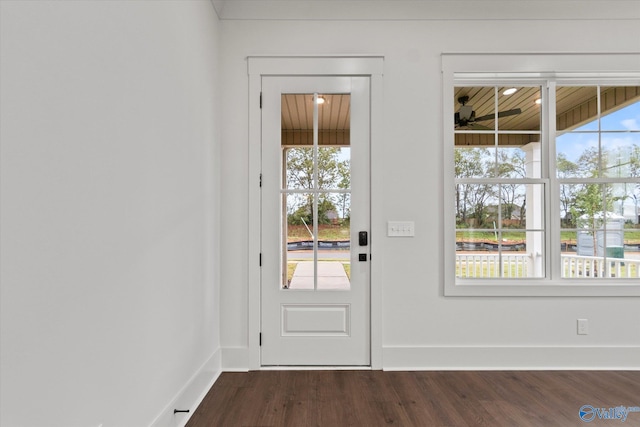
(526, 70)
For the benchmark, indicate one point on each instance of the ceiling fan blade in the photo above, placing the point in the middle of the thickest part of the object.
(471, 126)
(501, 114)
(476, 126)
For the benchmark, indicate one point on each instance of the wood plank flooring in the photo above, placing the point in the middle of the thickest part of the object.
(431, 398)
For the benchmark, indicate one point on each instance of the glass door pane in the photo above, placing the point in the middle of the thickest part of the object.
(316, 191)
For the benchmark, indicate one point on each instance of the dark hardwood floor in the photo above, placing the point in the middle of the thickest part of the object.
(431, 398)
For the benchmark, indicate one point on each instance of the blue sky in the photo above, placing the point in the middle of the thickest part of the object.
(620, 129)
(574, 143)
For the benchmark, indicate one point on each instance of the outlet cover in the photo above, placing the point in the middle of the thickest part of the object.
(583, 327)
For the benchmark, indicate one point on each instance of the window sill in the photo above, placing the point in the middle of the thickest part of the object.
(543, 288)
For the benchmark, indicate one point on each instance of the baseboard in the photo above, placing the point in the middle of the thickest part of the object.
(511, 358)
(192, 394)
(235, 359)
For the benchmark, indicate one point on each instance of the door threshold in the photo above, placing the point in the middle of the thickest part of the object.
(315, 368)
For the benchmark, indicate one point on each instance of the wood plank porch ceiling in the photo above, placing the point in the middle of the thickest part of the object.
(575, 107)
(334, 120)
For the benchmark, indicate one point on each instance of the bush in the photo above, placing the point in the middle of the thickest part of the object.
(304, 213)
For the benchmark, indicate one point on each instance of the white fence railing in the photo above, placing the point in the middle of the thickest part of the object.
(492, 265)
(516, 265)
(595, 266)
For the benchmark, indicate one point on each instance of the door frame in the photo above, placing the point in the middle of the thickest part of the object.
(347, 66)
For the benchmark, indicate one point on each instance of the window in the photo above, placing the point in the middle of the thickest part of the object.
(543, 173)
(598, 178)
(499, 189)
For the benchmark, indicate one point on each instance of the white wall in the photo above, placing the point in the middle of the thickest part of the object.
(422, 328)
(109, 209)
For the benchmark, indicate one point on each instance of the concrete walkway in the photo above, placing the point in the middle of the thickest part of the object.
(331, 276)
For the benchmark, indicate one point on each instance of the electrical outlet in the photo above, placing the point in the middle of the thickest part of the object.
(583, 327)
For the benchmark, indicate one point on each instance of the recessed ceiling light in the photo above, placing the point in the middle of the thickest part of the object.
(510, 91)
(320, 100)
(538, 101)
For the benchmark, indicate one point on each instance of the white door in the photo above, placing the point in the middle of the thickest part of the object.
(315, 215)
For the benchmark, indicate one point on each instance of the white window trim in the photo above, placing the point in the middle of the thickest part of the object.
(490, 69)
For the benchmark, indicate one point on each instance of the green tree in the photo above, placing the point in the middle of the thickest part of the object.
(300, 167)
(567, 169)
(344, 199)
(592, 201)
(471, 199)
(634, 171)
(511, 164)
(332, 173)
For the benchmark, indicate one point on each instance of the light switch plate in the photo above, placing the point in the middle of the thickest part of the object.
(401, 229)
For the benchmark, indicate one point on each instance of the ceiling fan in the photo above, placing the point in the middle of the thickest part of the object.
(466, 117)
